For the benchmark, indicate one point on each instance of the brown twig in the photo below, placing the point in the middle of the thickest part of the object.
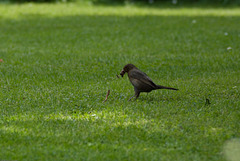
(107, 96)
(117, 76)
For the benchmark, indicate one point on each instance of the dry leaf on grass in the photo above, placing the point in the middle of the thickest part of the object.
(107, 96)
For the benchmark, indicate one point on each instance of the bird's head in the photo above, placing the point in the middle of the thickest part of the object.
(127, 68)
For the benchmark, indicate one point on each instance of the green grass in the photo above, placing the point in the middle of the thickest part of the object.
(60, 60)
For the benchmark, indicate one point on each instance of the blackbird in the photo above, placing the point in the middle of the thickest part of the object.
(140, 80)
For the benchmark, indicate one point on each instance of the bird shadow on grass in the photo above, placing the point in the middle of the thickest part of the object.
(152, 97)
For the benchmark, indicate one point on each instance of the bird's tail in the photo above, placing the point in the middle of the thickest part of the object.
(163, 87)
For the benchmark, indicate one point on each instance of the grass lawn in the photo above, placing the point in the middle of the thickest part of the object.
(59, 61)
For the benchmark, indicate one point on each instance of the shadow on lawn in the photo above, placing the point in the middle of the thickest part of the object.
(112, 41)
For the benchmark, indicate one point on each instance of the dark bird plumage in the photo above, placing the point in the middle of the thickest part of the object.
(140, 80)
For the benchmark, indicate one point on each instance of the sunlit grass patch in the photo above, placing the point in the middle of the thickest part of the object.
(72, 9)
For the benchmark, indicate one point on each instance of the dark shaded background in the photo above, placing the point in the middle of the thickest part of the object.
(153, 2)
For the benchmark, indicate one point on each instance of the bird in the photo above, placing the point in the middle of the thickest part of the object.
(140, 80)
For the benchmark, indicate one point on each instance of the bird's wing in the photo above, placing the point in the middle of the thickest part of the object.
(141, 77)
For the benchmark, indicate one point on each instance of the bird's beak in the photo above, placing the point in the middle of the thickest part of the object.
(122, 73)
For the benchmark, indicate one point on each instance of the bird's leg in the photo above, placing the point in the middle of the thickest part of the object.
(135, 95)
(131, 97)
